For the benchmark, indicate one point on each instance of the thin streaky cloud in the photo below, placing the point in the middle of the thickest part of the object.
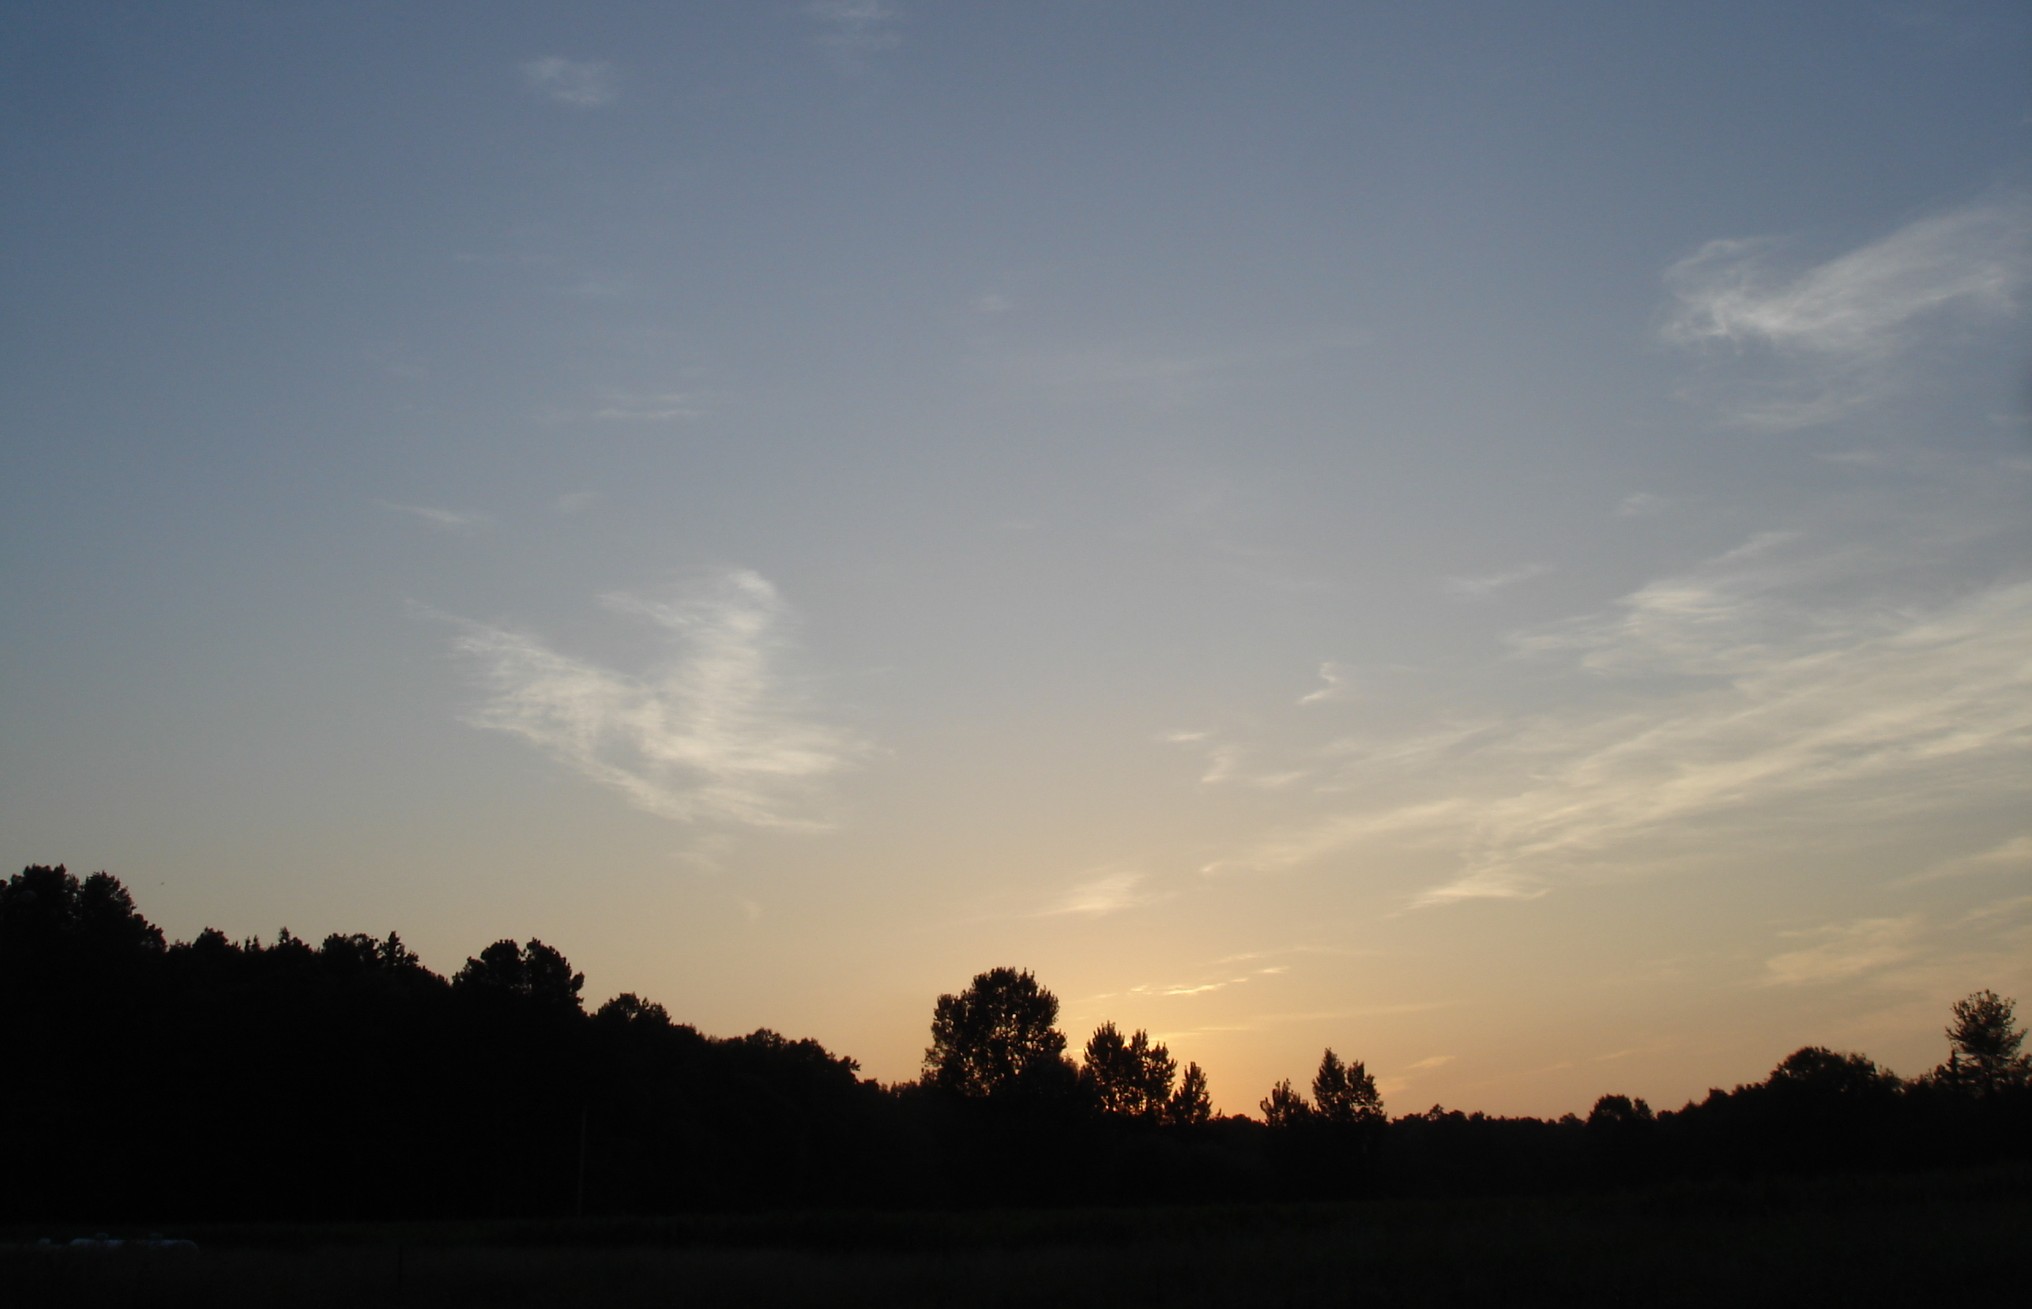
(853, 31)
(630, 407)
(1110, 893)
(1833, 334)
(658, 407)
(1186, 990)
(1784, 682)
(1843, 952)
(713, 732)
(2012, 856)
(445, 520)
(1489, 583)
(1225, 765)
(1303, 845)
(574, 83)
(1339, 685)
(1640, 504)
(1922, 708)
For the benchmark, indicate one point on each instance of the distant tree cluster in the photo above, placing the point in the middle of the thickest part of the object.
(222, 1079)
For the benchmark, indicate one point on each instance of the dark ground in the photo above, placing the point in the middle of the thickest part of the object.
(1856, 1240)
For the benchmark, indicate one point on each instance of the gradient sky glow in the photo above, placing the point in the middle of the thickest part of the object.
(1497, 538)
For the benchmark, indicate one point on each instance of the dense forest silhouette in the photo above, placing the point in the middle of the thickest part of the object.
(215, 1079)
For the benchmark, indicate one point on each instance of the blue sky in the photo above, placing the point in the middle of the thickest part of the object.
(1494, 538)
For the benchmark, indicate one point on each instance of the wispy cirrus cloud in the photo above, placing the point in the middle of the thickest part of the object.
(1339, 684)
(1841, 952)
(1220, 975)
(2012, 856)
(574, 83)
(711, 732)
(1744, 703)
(1812, 345)
(1489, 583)
(1228, 763)
(853, 31)
(649, 407)
(444, 520)
(1775, 702)
(1109, 893)
(613, 406)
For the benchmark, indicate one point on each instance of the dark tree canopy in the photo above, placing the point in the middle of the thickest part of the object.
(1985, 1049)
(994, 1035)
(1829, 1074)
(157, 1081)
(1190, 1105)
(532, 972)
(42, 908)
(1284, 1107)
(1345, 1093)
(1613, 1112)
(1129, 1078)
(630, 1010)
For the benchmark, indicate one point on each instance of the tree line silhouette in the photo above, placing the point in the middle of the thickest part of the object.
(214, 1079)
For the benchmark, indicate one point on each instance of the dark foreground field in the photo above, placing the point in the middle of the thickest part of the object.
(1870, 1240)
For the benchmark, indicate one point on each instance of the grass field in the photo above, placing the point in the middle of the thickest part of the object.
(1870, 1240)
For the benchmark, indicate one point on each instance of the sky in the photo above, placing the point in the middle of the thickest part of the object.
(1496, 539)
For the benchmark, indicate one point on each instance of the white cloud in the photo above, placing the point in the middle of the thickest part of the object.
(1306, 844)
(1492, 582)
(1338, 686)
(1742, 707)
(1833, 333)
(655, 407)
(1640, 504)
(712, 732)
(579, 84)
(445, 520)
(850, 31)
(1107, 894)
(1769, 703)
(631, 407)
(1224, 764)
(1842, 952)
(2012, 856)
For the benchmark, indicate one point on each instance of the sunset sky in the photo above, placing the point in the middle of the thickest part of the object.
(1495, 538)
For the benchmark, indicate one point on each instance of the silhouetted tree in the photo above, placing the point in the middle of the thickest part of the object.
(628, 1010)
(1829, 1075)
(1129, 1078)
(1616, 1112)
(994, 1036)
(45, 909)
(1284, 1107)
(1190, 1105)
(361, 953)
(1985, 1049)
(532, 972)
(1345, 1093)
